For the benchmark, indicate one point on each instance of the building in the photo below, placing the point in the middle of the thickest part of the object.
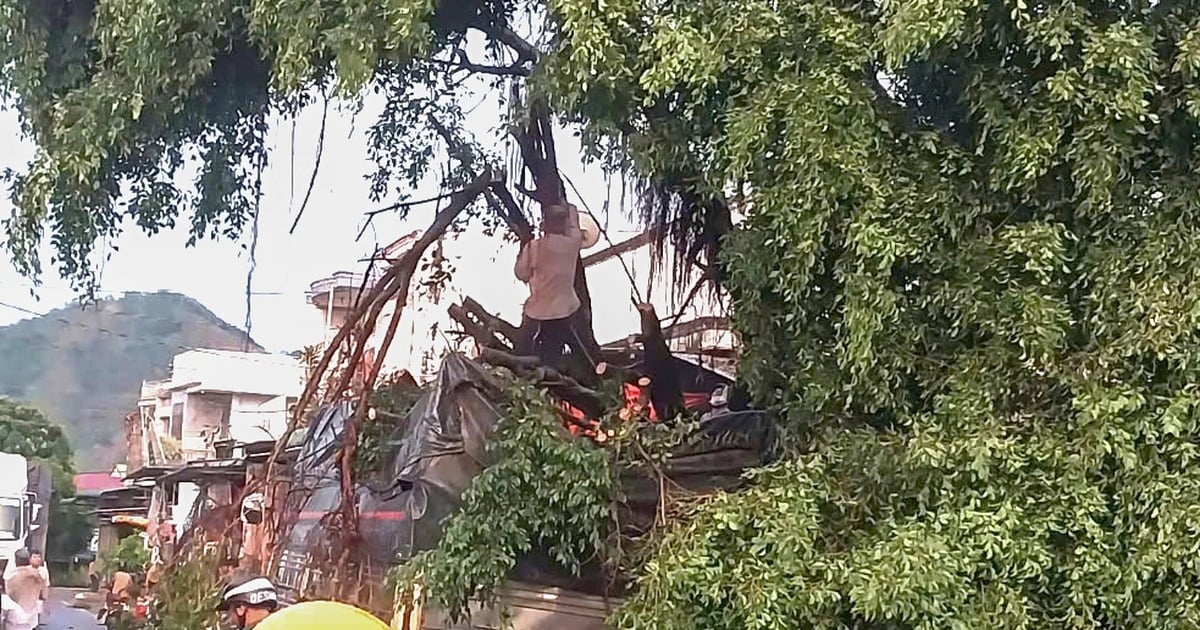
(212, 398)
(215, 395)
(92, 484)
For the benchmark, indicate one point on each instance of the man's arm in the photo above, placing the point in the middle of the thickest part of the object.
(524, 267)
(573, 221)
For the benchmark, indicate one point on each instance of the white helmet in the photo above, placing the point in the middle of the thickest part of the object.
(258, 592)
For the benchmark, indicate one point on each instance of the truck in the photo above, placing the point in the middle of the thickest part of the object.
(25, 487)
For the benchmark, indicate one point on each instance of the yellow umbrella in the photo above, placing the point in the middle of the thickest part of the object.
(321, 615)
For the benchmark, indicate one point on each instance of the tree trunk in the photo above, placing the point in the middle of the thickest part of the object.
(536, 140)
(393, 284)
(666, 392)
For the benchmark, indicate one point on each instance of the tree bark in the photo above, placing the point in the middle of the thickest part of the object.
(393, 284)
(587, 400)
(506, 206)
(666, 392)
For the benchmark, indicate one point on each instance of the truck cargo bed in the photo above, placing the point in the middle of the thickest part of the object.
(532, 607)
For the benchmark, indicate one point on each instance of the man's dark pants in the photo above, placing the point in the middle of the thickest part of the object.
(546, 338)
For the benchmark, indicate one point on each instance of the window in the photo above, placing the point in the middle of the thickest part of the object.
(11, 519)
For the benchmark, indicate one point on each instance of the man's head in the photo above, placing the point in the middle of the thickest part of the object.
(247, 600)
(554, 219)
(35, 558)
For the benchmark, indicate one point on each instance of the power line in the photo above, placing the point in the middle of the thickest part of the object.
(22, 309)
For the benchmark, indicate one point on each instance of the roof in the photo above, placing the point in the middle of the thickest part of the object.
(91, 483)
(236, 372)
(125, 500)
(260, 452)
(149, 472)
(207, 469)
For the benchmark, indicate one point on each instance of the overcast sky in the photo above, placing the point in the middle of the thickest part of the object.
(215, 272)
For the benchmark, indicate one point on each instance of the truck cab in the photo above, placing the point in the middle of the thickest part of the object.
(24, 498)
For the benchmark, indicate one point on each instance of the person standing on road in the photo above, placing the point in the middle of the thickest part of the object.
(552, 317)
(20, 558)
(22, 604)
(38, 563)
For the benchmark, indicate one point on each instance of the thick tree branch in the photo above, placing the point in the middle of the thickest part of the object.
(506, 206)
(526, 51)
(462, 62)
(361, 323)
(562, 386)
(666, 392)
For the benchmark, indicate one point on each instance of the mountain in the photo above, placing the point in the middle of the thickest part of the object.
(84, 365)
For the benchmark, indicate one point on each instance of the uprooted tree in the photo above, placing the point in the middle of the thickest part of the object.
(965, 281)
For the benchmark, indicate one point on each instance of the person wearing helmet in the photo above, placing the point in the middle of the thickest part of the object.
(322, 615)
(247, 601)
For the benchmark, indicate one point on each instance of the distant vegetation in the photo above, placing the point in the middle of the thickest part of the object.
(25, 430)
(84, 365)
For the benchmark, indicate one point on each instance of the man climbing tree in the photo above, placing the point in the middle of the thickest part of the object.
(551, 316)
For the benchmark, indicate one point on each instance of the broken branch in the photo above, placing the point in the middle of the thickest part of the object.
(397, 278)
(510, 211)
(484, 337)
(666, 392)
(585, 399)
(493, 322)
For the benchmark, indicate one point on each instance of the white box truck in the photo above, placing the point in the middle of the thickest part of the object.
(25, 488)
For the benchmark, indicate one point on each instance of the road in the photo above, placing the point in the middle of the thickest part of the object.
(63, 616)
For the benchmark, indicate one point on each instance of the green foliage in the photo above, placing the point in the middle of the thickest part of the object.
(964, 282)
(84, 366)
(130, 555)
(25, 430)
(129, 99)
(965, 279)
(70, 529)
(392, 399)
(545, 491)
(188, 594)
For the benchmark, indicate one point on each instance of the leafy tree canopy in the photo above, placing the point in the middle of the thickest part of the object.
(965, 280)
(25, 430)
(966, 283)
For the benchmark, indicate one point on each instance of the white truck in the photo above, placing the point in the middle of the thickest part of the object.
(25, 488)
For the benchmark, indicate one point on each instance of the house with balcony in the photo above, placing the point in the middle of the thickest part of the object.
(184, 435)
(215, 395)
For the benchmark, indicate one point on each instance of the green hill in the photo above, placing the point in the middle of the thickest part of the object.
(84, 365)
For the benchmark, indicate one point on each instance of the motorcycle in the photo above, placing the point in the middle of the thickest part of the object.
(124, 614)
